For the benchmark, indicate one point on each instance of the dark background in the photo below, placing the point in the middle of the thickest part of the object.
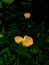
(13, 23)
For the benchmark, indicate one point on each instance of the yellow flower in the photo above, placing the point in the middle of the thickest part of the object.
(18, 39)
(27, 15)
(27, 41)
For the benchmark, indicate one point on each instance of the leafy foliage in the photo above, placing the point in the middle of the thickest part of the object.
(13, 23)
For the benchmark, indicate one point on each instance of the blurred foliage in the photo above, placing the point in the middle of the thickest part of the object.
(0, 4)
(13, 23)
(7, 1)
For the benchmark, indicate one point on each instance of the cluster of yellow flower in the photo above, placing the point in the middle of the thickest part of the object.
(26, 41)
